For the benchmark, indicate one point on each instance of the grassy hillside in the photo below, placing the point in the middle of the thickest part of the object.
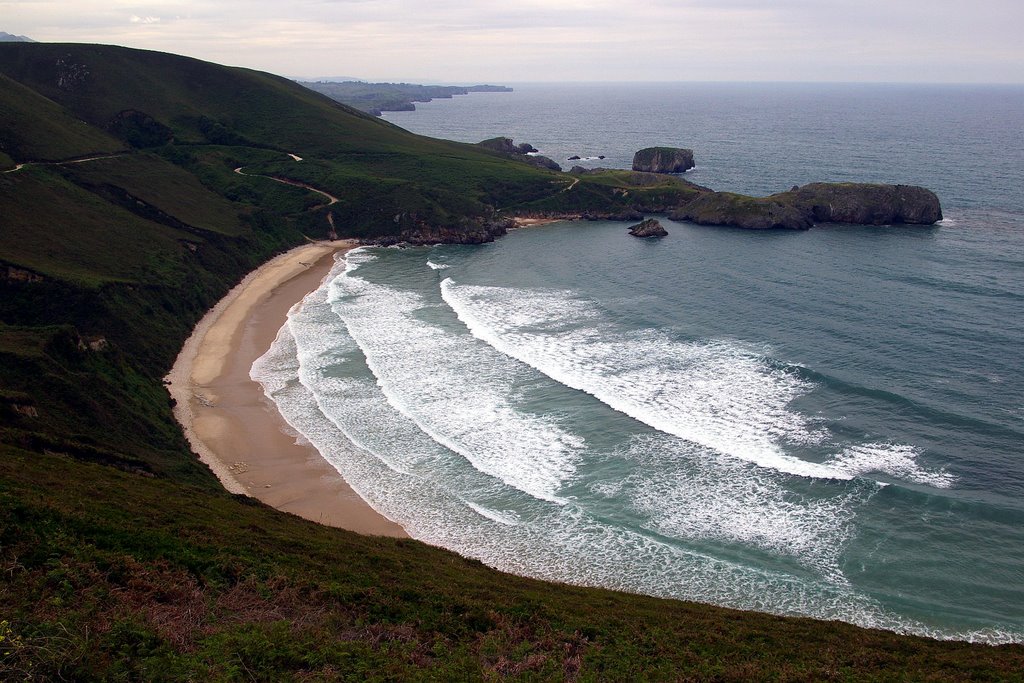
(122, 557)
(34, 127)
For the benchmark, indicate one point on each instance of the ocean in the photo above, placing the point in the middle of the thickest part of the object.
(826, 423)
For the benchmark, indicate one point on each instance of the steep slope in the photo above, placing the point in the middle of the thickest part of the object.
(33, 127)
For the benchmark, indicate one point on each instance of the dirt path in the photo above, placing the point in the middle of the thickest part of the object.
(331, 199)
(64, 162)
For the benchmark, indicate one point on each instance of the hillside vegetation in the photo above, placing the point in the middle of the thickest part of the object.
(122, 558)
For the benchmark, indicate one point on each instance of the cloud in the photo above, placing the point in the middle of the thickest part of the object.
(523, 40)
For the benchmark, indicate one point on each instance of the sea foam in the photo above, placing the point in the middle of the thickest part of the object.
(458, 390)
(717, 393)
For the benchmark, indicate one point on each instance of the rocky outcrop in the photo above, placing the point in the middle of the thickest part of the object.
(20, 275)
(740, 211)
(648, 228)
(468, 232)
(663, 160)
(802, 207)
(521, 152)
(507, 146)
(865, 204)
(542, 161)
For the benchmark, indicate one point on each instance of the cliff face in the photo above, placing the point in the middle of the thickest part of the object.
(802, 207)
(663, 160)
(867, 204)
(467, 232)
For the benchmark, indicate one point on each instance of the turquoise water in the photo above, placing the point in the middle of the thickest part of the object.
(826, 423)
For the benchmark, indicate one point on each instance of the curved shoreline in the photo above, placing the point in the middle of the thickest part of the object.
(229, 422)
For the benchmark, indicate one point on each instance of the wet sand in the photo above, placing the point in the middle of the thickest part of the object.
(233, 427)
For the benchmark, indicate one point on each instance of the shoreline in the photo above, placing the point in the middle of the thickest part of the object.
(538, 222)
(231, 425)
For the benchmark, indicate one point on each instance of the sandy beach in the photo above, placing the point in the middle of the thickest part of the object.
(538, 222)
(233, 427)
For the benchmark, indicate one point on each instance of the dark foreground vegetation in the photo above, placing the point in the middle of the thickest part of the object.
(122, 558)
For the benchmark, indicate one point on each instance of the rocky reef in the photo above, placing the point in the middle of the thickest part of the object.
(801, 207)
(648, 228)
(663, 160)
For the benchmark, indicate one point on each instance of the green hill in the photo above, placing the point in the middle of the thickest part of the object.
(121, 556)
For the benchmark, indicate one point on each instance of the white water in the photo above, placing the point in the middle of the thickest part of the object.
(714, 393)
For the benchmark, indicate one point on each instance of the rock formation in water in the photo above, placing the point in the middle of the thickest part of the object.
(866, 204)
(648, 228)
(801, 207)
(663, 160)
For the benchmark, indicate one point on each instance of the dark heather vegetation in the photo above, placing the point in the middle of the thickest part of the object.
(122, 558)
(374, 98)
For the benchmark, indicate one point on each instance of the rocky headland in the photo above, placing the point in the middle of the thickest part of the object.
(801, 207)
(468, 231)
(375, 98)
(522, 152)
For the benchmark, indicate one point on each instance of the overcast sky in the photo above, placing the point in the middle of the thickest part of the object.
(560, 40)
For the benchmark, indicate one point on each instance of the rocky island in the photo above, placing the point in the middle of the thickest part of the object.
(650, 227)
(663, 160)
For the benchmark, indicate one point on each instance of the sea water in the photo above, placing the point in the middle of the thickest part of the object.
(826, 423)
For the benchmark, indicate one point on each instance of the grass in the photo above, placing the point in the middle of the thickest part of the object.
(58, 229)
(176, 583)
(35, 128)
(164, 191)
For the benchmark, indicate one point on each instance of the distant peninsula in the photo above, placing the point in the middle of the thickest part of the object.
(375, 98)
(6, 37)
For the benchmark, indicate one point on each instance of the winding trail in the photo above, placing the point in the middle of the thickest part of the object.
(65, 162)
(331, 199)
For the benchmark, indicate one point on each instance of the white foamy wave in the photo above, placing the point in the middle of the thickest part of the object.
(896, 460)
(686, 493)
(713, 393)
(456, 389)
(438, 266)
(354, 259)
(493, 515)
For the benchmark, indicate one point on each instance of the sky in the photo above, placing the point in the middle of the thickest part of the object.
(508, 41)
